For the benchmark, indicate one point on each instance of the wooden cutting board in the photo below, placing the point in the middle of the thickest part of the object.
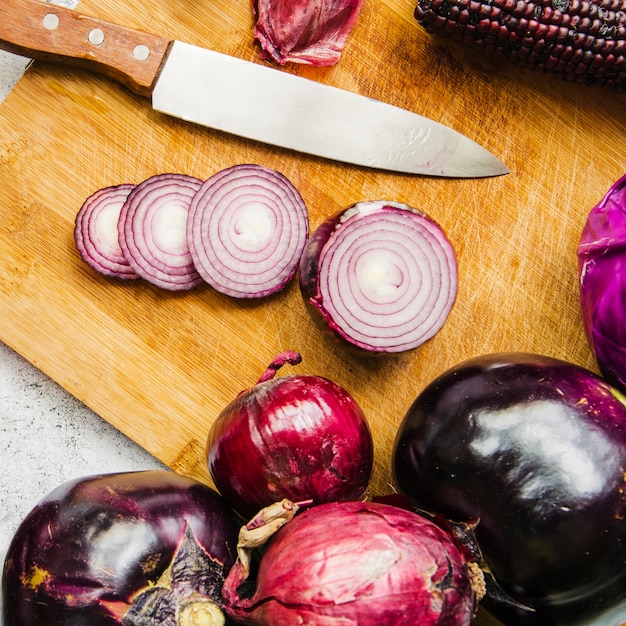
(160, 366)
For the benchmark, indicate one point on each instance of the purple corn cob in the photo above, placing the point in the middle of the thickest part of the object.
(579, 40)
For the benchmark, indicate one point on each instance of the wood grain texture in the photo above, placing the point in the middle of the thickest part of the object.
(25, 29)
(160, 366)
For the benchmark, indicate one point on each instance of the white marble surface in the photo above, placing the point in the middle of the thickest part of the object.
(46, 435)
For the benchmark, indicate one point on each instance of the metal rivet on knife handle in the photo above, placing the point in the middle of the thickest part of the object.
(50, 21)
(129, 56)
(96, 37)
(141, 52)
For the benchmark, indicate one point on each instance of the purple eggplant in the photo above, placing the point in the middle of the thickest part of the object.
(533, 449)
(130, 549)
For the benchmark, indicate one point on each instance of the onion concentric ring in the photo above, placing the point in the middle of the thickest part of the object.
(247, 228)
(95, 232)
(153, 231)
(381, 275)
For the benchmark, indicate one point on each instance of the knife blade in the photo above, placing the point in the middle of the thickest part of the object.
(244, 98)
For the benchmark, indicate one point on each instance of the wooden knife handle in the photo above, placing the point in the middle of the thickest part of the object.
(45, 31)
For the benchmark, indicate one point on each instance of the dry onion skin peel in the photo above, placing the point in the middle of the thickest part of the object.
(534, 448)
(152, 231)
(127, 549)
(300, 437)
(247, 228)
(380, 276)
(304, 31)
(95, 232)
(602, 278)
(349, 563)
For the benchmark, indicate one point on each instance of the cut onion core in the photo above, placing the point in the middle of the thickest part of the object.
(152, 231)
(246, 230)
(95, 232)
(383, 277)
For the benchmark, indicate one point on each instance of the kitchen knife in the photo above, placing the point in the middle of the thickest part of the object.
(245, 98)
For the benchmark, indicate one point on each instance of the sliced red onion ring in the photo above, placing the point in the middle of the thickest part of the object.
(95, 232)
(380, 275)
(247, 228)
(152, 231)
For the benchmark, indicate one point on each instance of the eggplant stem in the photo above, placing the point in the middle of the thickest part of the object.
(200, 612)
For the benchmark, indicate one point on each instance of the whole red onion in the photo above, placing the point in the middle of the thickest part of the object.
(362, 563)
(296, 437)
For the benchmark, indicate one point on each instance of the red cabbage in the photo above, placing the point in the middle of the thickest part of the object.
(602, 277)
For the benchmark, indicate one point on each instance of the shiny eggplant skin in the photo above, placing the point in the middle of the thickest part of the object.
(534, 450)
(84, 551)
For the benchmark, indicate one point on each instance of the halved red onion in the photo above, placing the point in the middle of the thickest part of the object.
(153, 230)
(380, 275)
(246, 230)
(95, 232)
